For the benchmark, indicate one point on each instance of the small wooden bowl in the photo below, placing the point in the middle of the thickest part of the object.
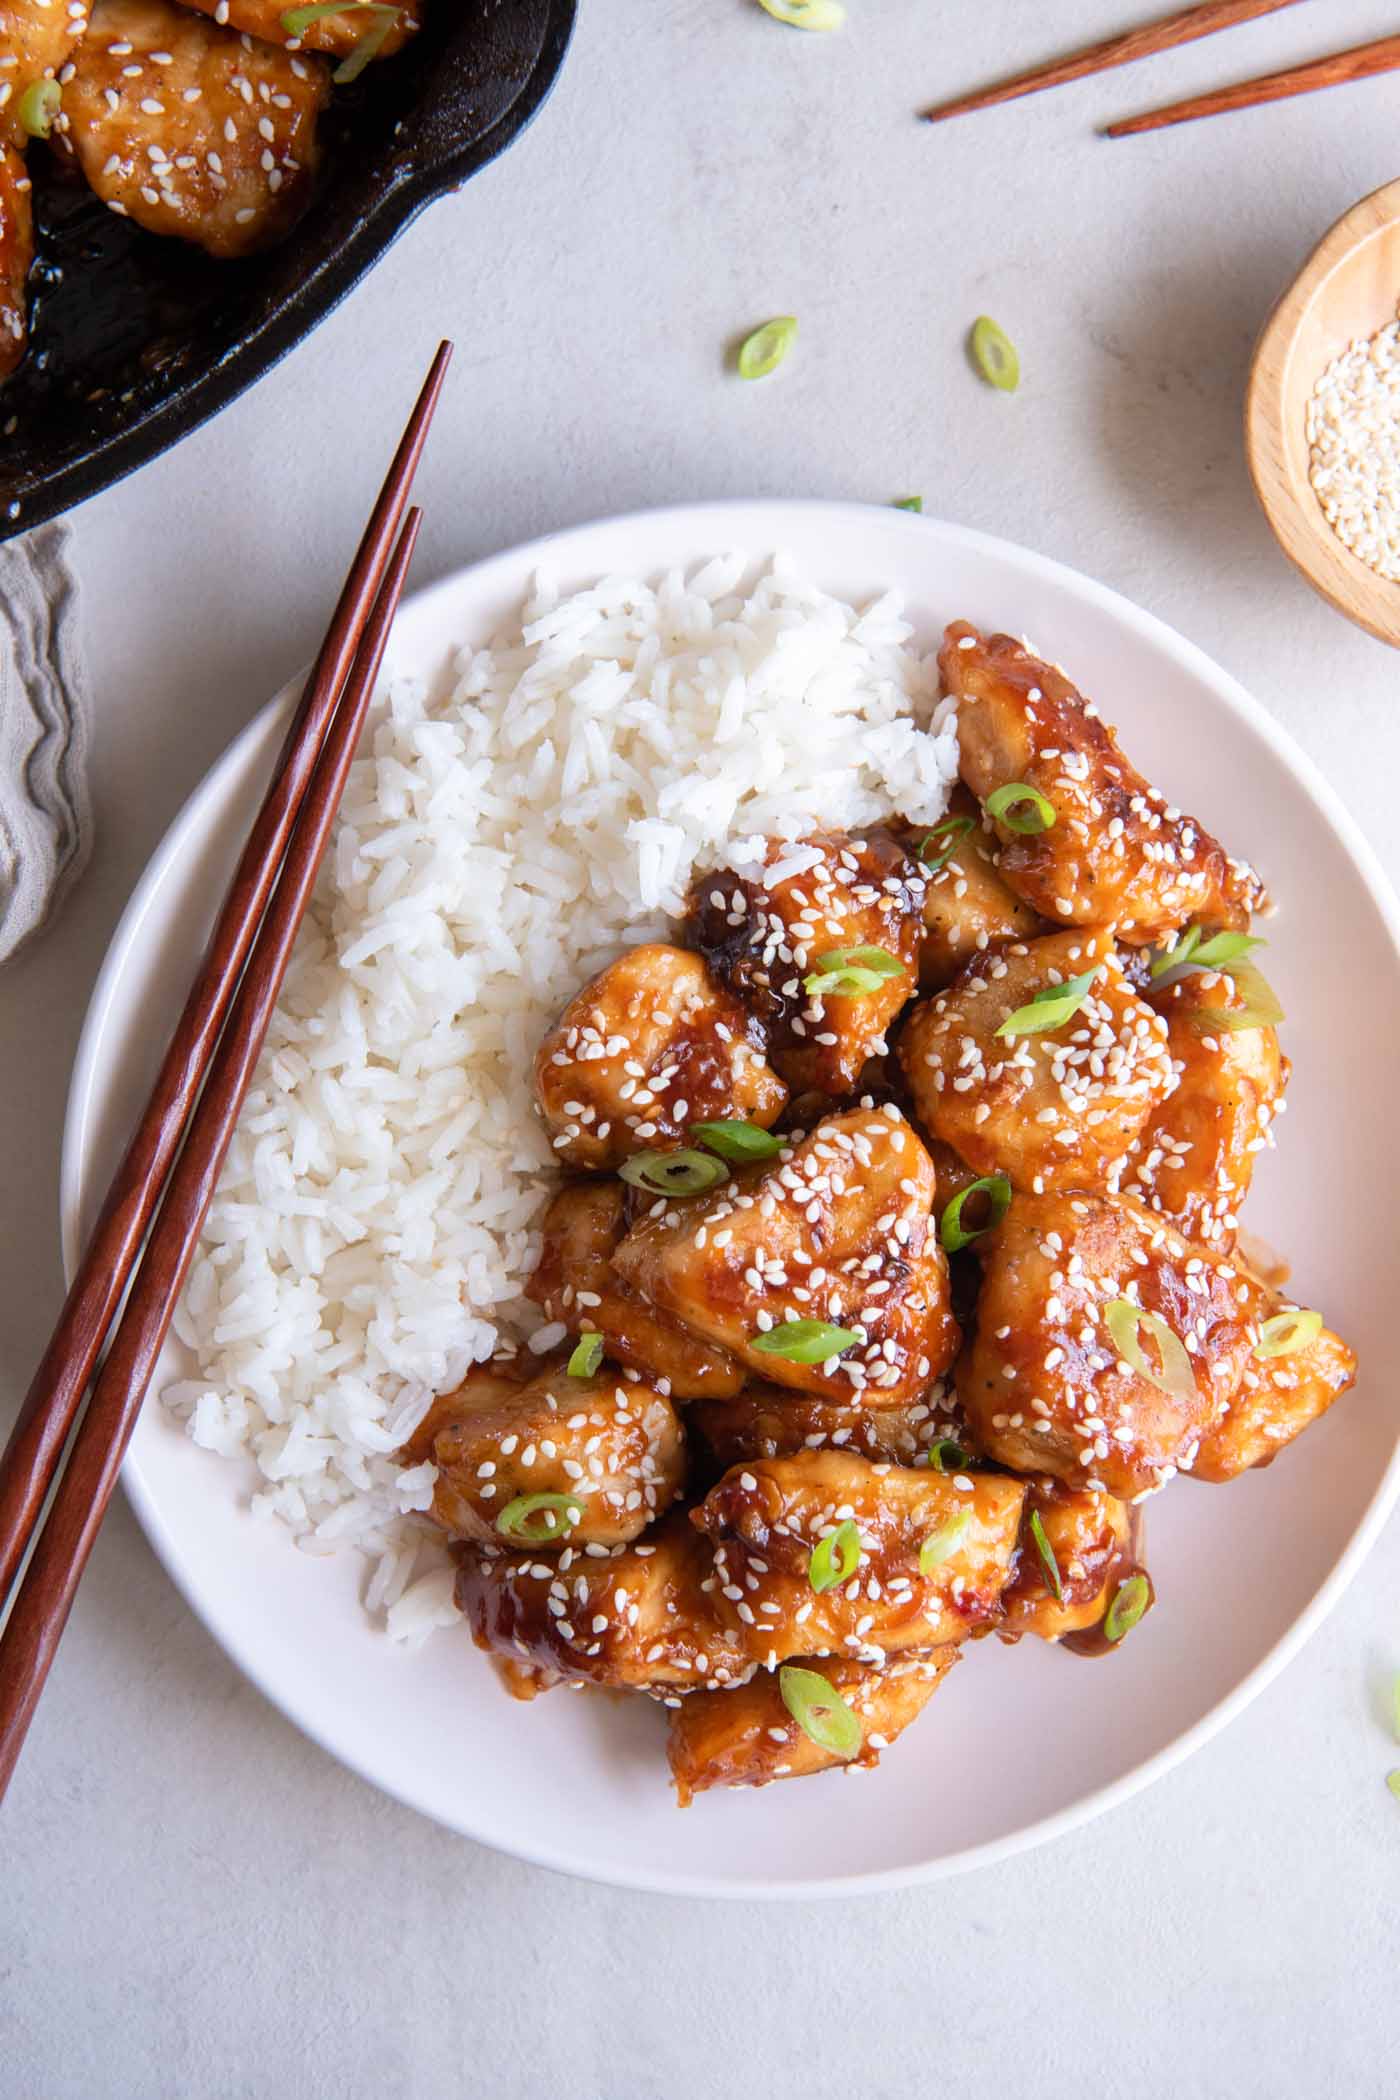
(1349, 287)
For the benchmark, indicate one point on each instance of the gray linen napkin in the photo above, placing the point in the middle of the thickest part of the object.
(45, 809)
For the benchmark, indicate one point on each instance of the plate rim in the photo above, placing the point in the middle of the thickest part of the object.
(84, 1097)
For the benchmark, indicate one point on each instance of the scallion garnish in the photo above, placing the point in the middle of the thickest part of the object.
(804, 1341)
(942, 843)
(946, 1456)
(1392, 1780)
(952, 1232)
(835, 1558)
(1181, 952)
(588, 1354)
(297, 20)
(1130, 1601)
(1050, 1007)
(1395, 1707)
(910, 503)
(38, 106)
(1287, 1333)
(994, 355)
(806, 14)
(819, 1710)
(1260, 1010)
(1213, 953)
(1126, 1322)
(942, 1544)
(1021, 808)
(683, 1173)
(764, 350)
(557, 1515)
(738, 1141)
(849, 973)
(1045, 1552)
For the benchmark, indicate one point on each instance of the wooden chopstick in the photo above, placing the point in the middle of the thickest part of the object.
(1362, 62)
(35, 1446)
(40, 1612)
(1183, 27)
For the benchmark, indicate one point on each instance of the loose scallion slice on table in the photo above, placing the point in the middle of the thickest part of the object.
(588, 1354)
(683, 1173)
(910, 503)
(938, 848)
(764, 350)
(38, 106)
(850, 973)
(995, 355)
(1172, 1374)
(806, 14)
(1395, 1707)
(952, 1233)
(1392, 1780)
(946, 1456)
(1045, 1553)
(1050, 1008)
(1288, 1332)
(738, 1141)
(1021, 808)
(819, 1710)
(942, 1544)
(804, 1341)
(1261, 1008)
(1130, 1600)
(835, 1558)
(536, 1519)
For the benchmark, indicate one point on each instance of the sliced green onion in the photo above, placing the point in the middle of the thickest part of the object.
(368, 47)
(819, 1710)
(851, 972)
(738, 1140)
(1287, 1333)
(1050, 1008)
(558, 1515)
(1021, 808)
(587, 1356)
(683, 1173)
(804, 1341)
(942, 1544)
(1395, 1707)
(806, 14)
(1172, 958)
(936, 858)
(1130, 1601)
(952, 1232)
(764, 350)
(835, 1558)
(297, 20)
(946, 1456)
(1125, 1322)
(38, 106)
(1223, 948)
(994, 355)
(1260, 1010)
(910, 503)
(1050, 1567)
(1392, 1780)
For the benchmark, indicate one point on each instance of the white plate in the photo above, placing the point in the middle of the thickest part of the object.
(1024, 1742)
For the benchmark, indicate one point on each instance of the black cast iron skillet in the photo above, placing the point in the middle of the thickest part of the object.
(137, 339)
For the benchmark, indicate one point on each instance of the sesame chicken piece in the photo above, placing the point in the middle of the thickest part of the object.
(640, 1617)
(836, 1231)
(1043, 1385)
(1276, 1400)
(16, 254)
(748, 1738)
(968, 907)
(765, 935)
(1095, 1542)
(1057, 1109)
(36, 36)
(191, 129)
(1194, 1159)
(338, 33)
(1117, 854)
(651, 1047)
(611, 1441)
(768, 1421)
(576, 1283)
(767, 1517)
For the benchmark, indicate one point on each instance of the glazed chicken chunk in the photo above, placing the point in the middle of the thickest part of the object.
(582, 1461)
(928, 1554)
(773, 937)
(837, 1232)
(1194, 1159)
(1046, 1384)
(968, 907)
(640, 1617)
(1116, 854)
(768, 1421)
(1068, 1575)
(16, 254)
(1276, 1400)
(36, 37)
(191, 129)
(651, 1047)
(1051, 1107)
(338, 33)
(748, 1738)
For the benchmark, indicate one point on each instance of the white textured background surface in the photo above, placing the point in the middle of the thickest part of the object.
(193, 1900)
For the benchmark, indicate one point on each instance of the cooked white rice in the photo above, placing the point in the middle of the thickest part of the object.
(377, 1215)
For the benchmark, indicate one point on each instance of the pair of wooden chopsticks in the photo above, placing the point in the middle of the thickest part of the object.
(162, 1189)
(1359, 63)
